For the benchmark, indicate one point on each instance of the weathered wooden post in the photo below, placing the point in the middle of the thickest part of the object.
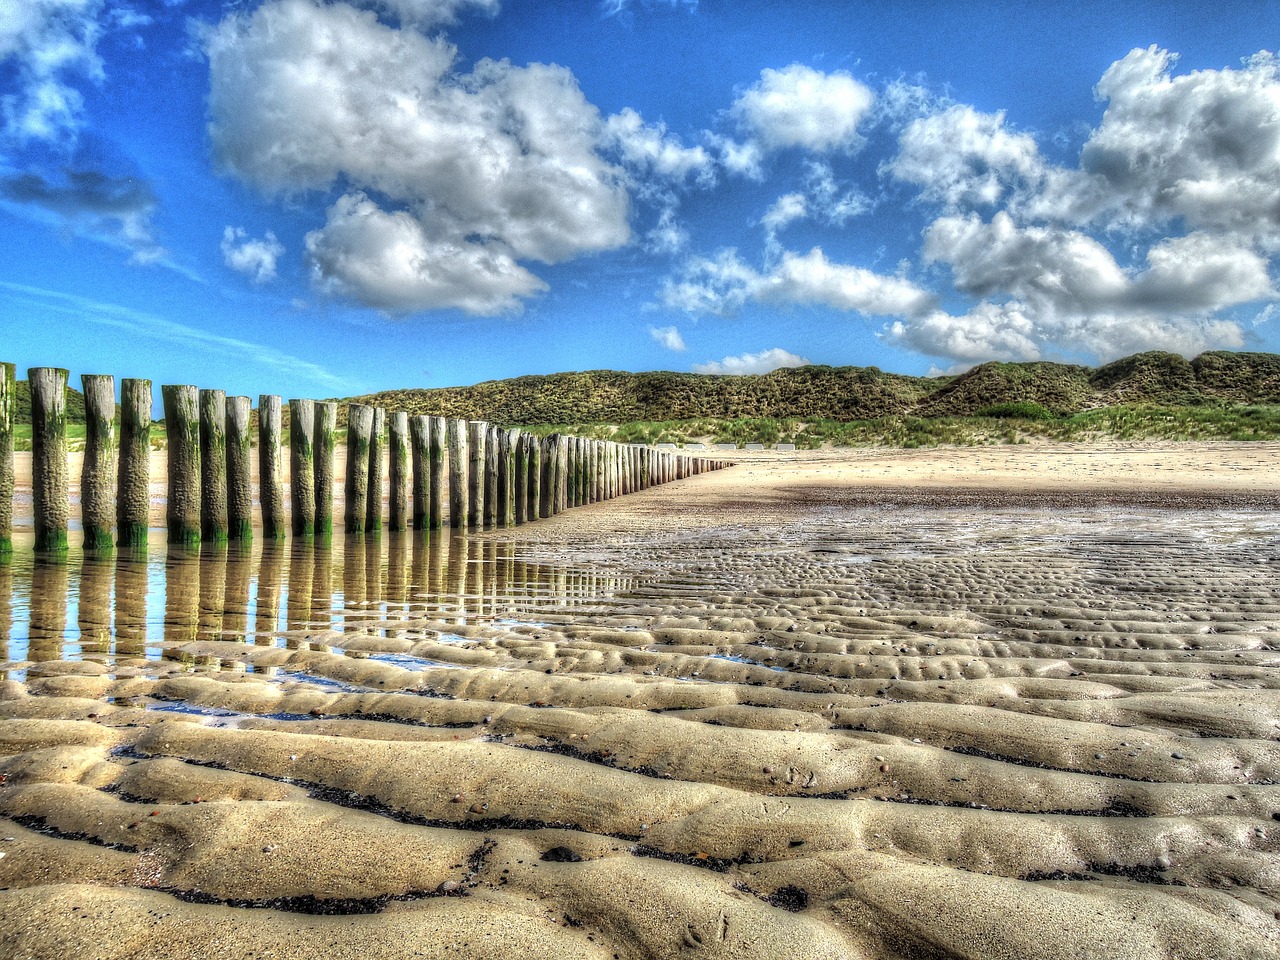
(547, 480)
(562, 475)
(326, 435)
(492, 454)
(459, 501)
(508, 496)
(533, 458)
(519, 477)
(8, 403)
(213, 465)
(49, 501)
(98, 471)
(478, 433)
(373, 515)
(438, 488)
(398, 471)
(420, 438)
(270, 479)
(133, 480)
(359, 427)
(239, 475)
(302, 487)
(182, 427)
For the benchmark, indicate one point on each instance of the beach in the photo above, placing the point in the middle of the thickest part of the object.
(993, 702)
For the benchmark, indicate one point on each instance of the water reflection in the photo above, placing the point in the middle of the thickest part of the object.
(129, 606)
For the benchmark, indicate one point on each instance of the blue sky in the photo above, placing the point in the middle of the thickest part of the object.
(328, 198)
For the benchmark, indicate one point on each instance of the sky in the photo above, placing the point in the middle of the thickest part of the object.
(332, 197)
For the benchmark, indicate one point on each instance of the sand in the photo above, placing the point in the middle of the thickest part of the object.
(995, 703)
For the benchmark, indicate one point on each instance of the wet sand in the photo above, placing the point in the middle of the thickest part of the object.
(999, 703)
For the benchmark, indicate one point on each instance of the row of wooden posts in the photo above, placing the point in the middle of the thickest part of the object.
(469, 474)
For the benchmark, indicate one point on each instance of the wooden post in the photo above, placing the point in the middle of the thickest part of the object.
(213, 465)
(270, 479)
(508, 496)
(182, 427)
(533, 459)
(133, 482)
(239, 476)
(459, 505)
(519, 478)
(562, 475)
(373, 516)
(49, 501)
(326, 433)
(420, 437)
(438, 489)
(398, 471)
(302, 471)
(547, 480)
(359, 427)
(479, 431)
(8, 403)
(490, 476)
(98, 471)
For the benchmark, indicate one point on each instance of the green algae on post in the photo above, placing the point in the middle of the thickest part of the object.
(270, 479)
(398, 475)
(8, 401)
(419, 436)
(356, 489)
(325, 438)
(302, 486)
(458, 461)
(373, 512)
(438, 488)
(49, 497)
(133, 481)
(182, 427)
(213, 464)
(98, 469)
(239, 484)
(478, 433)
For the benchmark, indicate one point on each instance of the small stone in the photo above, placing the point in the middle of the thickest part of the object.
(1177, 756)
(449, 886)
(1098, 756)
(478, 807)
(456, 798)
(884, 768)
(767, 769)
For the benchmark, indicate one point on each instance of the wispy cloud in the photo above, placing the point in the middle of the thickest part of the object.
(158, 328)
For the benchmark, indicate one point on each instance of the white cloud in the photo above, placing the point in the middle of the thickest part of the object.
(745, 159)
(798, 106)
(475, 171)
(747, 363)
(1203, 147)
(613, 8)
(424, 14)
(669, 337)
(668, 236)
(649, 148)
(962, 157)
(256, 258)
(987, 332)
(786, 209)
(50, 42)
(724, 284)
(388, 261)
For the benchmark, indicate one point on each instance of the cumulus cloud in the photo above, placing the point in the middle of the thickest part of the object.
(798, 106)
(473, 172)
(747, 363)
(724, 284)
(962, 157)
(650, 148)
(669, 337)
(823, 199)
(116, 210)
(786, 209)
(255, 258)
(428, 13)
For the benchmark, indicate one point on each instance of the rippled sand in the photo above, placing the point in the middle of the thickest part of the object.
(784, 711)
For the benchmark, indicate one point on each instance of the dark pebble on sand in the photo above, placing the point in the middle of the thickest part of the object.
(1177, 756)
(562, 855)
(449, 886)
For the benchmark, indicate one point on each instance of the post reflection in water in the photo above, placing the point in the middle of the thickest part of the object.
(270, 581)
(213, 590)
(181, 594)
(132, 581)
(95, 604)
(210, 594)
(235, 618)
(47, 629)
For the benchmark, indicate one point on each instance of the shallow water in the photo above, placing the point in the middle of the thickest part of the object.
(871, 731)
